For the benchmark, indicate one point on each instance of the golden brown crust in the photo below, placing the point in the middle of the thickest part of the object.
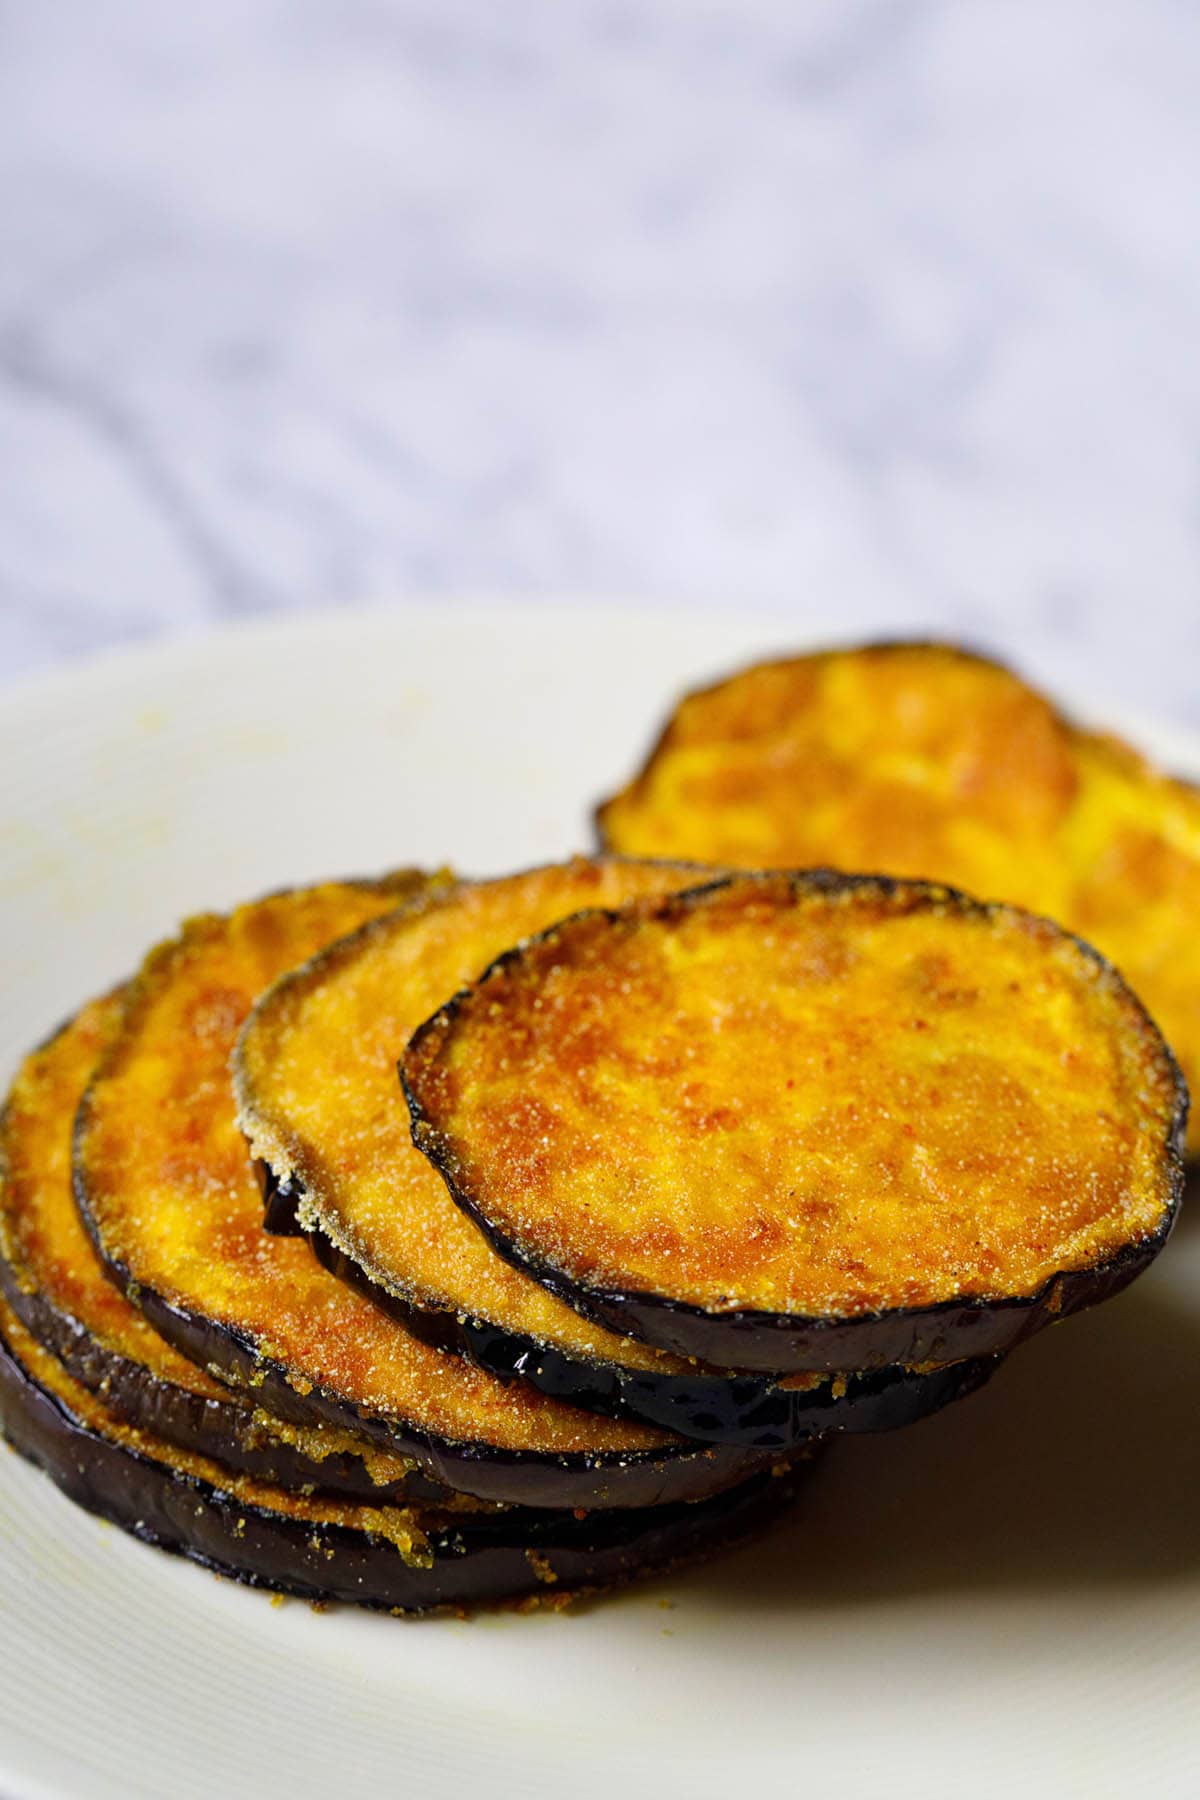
(921, 760)
(802, 1096)
(163, 1172)
(319, 1099)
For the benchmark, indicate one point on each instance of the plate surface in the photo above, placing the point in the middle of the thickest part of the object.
(1003, 1600)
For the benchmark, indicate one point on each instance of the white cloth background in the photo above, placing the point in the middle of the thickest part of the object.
(887, 309)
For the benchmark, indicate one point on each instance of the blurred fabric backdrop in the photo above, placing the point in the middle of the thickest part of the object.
(886, 310)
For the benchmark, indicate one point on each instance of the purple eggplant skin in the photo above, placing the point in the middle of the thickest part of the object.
(684, 1473)
(222, 1430)
(966, 1330)
(680, 1472)
(708, 1407)
(752, 1341)
(475, 1563)
(967, 1334)
(954, 1333)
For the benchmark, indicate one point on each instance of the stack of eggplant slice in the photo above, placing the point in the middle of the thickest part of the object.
(429, 1243)
(350, 1177)
(241, 1405)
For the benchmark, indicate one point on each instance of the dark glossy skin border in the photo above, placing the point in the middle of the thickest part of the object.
(223, 1430)
(785, 1343)
(687, 1472)
(475, 1564)
(708, 1406)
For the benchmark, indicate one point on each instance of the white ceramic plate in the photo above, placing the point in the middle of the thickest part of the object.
(1004, 1601)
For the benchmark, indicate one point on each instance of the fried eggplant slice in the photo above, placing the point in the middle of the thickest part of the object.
(923, 760)
(319, 1100)
(166, 1188)
(808, 1120)
(409, 1559)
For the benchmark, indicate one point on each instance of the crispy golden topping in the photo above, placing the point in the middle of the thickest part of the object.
(170, 1187)
(320, 1098)
(792, 1097)
(919, 760)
